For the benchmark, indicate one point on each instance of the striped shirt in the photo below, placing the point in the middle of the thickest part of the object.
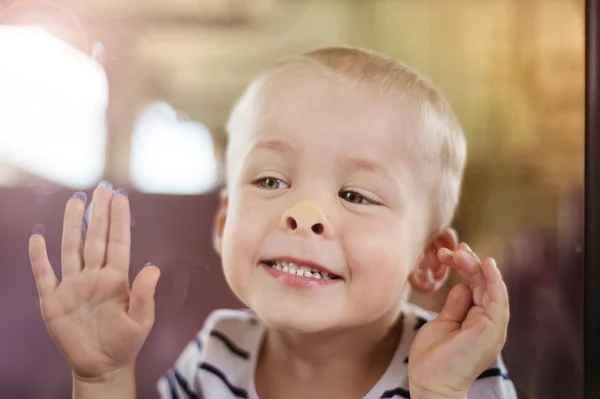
(220, 362)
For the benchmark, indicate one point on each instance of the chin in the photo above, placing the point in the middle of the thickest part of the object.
(296, 322)
(296, 318)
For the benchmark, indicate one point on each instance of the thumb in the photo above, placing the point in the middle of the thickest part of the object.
(141, 300)
(457, 305)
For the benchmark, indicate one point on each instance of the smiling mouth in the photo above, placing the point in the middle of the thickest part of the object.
(300, 270)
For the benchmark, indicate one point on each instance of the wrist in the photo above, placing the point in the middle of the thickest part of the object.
(418, 392)
(113, 376)
(117, 383)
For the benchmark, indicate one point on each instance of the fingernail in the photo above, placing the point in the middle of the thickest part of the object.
(147, 264)
(446, 250)
(467, 246)
(39, 229)
(80, 195)
(121, 191)
(105, 184)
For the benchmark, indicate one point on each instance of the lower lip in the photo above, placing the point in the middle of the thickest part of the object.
(297, 281)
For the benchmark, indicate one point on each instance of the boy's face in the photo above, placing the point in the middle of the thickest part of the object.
(323, 175)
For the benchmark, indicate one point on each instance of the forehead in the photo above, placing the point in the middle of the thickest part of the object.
(320, 108)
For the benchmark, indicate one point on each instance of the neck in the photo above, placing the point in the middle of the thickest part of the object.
(316, 361)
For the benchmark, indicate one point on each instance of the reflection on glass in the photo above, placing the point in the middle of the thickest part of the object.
(512, 69)
(53, 100)
(171, 156)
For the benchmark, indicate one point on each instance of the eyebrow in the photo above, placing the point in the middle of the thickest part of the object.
(274, 145)
(366, 165)
(351, 163)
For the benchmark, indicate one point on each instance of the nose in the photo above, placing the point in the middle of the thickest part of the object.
(305, 217)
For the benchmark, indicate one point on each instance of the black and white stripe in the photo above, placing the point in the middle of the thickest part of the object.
(229, 344)
(401, 392)
(219, 363)
(176, 380)
(238, 392)
(494, 372)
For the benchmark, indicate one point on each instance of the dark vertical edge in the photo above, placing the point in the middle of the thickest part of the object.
(592, 204)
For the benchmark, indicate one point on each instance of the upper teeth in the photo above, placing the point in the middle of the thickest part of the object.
(299, 270)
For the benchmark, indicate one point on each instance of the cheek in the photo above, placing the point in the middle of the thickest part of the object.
(245, 227)
(238, 233)
(378, 256)
(241, 239)
(381, 257)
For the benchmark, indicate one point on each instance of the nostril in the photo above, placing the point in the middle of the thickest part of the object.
(292, 223)
(317, 228)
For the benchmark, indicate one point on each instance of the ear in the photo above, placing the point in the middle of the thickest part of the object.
(430, 274)
(219, 223)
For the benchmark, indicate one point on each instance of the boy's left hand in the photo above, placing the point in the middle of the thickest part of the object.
(451, 351)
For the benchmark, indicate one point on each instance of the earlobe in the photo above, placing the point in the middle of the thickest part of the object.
(219, 222)
(430, 274)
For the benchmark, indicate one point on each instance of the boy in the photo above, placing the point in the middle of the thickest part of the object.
(343, 173)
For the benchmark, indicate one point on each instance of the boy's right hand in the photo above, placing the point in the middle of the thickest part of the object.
(97, 322)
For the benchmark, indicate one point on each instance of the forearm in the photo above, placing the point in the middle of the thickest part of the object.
(120, 385)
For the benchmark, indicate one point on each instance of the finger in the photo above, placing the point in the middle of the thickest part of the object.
(479, 286)
(71, 256)
(463, 250)
(119, 238)
(495, 298)
(456, 260)
(141, 301)
(446, 256)
(465, 247)
(476, 277)
(45, 278)
(468, 266)
(94, 252)
(457, 304)
(467, 262)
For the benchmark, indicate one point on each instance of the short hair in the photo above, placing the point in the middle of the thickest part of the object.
(441, 143)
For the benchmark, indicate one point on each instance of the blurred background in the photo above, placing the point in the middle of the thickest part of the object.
(138, 93)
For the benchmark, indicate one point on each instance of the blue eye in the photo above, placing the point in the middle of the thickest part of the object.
(271, 183)
(354, 197)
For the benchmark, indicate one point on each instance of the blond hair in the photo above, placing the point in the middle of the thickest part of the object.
(441, 144)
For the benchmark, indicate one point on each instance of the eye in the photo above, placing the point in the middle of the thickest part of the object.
(354, 197)
(271, 183)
